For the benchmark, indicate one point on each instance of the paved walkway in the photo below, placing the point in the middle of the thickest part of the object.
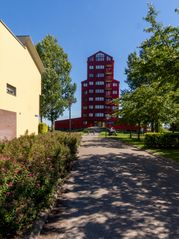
(117, 191)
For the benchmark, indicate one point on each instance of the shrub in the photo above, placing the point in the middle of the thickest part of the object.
(162, 140)
(43, 128)
(30, 169)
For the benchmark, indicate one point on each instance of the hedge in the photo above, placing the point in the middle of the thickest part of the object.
(161, 140)
(30, 169)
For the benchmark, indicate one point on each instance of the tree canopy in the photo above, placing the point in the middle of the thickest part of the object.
(56, 80)
(153, 76)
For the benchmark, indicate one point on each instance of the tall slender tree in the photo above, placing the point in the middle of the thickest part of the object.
(56, 79)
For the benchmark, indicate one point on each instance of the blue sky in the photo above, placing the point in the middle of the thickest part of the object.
(83, 27)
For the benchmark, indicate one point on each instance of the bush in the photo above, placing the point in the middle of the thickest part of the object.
(162, 140)
(30, 169)
(43, 128)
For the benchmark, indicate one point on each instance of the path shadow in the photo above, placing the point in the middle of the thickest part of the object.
(118, 196)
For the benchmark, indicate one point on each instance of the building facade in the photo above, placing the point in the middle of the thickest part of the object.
(99, 91)
(20, 84)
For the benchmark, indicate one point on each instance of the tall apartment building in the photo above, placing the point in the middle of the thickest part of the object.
(99, 91)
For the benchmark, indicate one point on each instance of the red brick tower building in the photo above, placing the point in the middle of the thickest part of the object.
(98, 91)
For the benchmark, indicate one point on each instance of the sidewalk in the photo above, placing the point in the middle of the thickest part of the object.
(117, 192)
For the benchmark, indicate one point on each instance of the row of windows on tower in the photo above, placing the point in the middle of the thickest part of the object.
(91, 67)
(92, 115)
(100, 91)
(96, 115)
(98, 75)
(100, 57)
(91, 75)
(99, 83)
(91, 107)
(109, 99)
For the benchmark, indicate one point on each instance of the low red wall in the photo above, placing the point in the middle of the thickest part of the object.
(76, 123)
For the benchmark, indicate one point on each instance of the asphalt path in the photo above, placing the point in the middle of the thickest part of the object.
(116, 191)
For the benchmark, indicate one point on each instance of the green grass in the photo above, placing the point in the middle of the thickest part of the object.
(167, 153)
(125, 137)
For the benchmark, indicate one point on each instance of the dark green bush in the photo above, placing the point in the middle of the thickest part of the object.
(30, 169)
(162, 140)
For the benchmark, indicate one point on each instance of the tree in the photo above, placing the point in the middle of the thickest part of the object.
(158, 59)
(148, 105)
(56, 79)
(153, 74)
(70, 100)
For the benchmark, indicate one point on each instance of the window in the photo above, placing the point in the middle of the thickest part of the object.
(108, 85)
(108, 58)
(11, 90)
(84, 107)
(90, 107)
(91, 75)
(99, 82)
(85, 92)
(90, 82)
(90, 114)
(108, 92)
(91, 67)
(84, 115)
(114, 92)
(85, 84)
(85, 122)
(99, 91)
(99, 98)
(114, 107)
(91, 58)
(108, 116)
(99, 106)
(99, 114)
(100, 57)
(91, 91)
(100, 75)
(90, 98)
(114, 84)
(99, 66)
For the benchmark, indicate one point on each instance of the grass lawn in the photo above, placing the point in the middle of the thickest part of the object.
(125, 137)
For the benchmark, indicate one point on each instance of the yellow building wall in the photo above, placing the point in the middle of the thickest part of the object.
(18, 69)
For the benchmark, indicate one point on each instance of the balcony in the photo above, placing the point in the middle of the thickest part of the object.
(108, 87)
(108, 73)
(108, 78)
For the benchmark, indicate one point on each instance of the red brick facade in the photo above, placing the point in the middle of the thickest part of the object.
(99, 91)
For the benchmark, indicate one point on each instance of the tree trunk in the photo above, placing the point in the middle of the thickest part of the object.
(69, 117)
(156, 126)
(152, 126)
(52, 125)
(138, 136)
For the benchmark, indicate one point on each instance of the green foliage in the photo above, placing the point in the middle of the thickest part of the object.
(56, 79)
(43, 128)
(30, 169)
(162, 140)
(152, 76)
